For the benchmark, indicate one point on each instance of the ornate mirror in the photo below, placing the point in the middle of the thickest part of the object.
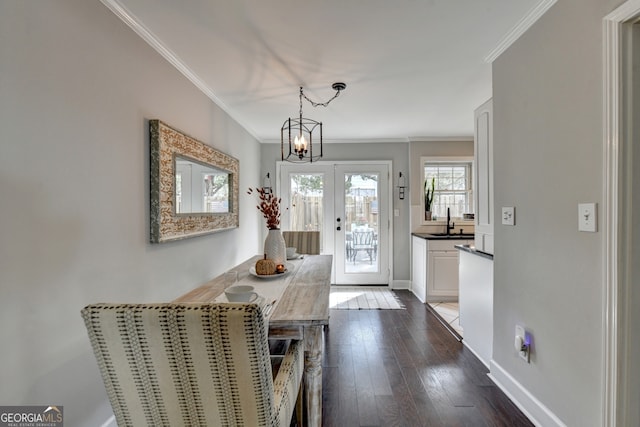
(194, 188)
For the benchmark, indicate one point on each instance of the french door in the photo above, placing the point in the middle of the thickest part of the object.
(348, 203)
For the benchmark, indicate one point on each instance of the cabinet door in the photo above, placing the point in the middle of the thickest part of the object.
(443, 274)
(476, 304)
(483, 154)
(419, 268)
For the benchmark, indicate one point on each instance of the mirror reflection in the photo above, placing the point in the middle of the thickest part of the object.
(201, 198)
(200, 188)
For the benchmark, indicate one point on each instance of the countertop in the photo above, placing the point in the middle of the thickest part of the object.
(474, 251)
(442, 236)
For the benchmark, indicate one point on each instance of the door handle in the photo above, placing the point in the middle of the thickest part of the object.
(338, 228)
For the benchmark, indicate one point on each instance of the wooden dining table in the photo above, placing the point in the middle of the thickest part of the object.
(300, 310)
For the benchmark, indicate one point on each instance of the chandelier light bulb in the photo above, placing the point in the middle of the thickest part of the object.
(300, 144)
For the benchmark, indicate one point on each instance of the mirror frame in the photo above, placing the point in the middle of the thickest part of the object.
(165, 144)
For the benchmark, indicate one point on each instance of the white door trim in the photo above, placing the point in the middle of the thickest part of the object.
(614, 325)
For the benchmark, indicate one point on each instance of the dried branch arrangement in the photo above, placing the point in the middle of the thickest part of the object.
(269, 206)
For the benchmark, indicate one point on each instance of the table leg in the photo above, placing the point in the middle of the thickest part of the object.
(313, 374)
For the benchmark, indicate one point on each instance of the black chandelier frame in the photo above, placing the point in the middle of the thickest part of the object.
(303, 129)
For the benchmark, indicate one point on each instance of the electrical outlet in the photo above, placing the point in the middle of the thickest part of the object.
(522, 343)
(509, 215)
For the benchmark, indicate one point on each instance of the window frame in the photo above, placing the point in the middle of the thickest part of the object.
(466, 160)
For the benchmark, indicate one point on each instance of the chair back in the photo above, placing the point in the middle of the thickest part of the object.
(186, 364)
(362, 238)
(305, 242)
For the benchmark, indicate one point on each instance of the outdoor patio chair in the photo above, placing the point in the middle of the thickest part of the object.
(362, 241)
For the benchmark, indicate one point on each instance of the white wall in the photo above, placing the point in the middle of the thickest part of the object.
(547, 93)
(77, 88)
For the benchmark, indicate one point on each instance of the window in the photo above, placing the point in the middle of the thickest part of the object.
(453, 186)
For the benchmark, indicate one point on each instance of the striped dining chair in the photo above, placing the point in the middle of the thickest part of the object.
(192, 365)
(306, 242)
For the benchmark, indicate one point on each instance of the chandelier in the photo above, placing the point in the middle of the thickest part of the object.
(302, 133)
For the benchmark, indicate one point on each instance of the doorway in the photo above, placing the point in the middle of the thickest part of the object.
(628, 230)
(348, 203)
(621, 201)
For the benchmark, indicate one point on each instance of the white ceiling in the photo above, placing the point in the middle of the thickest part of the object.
(414, 69)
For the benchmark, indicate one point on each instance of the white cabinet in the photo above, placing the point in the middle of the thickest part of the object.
(434, 269)
(442, 270)
(483, 183)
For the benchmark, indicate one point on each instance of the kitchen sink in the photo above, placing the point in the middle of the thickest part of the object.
(454, 235)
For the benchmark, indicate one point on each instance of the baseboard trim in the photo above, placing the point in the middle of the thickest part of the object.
(444, 323)
(110, 422)
(537, 412)
(484, 362)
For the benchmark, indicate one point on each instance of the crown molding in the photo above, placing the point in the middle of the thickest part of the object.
(464, 138)
(441, 138)
(350, 141)
(136, 25)
(519, 29)
(627, 12)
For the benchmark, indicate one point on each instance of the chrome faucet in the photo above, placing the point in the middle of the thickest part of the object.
(450, 225)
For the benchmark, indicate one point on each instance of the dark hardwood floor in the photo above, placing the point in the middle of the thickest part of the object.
(403, 368)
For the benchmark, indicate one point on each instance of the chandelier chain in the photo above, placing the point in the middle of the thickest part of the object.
(300, 133)
(317, 104)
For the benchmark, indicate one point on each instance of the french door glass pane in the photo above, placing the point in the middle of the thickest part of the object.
(361, 222)
(306, 202)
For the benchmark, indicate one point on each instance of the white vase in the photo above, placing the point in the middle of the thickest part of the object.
(275, 247)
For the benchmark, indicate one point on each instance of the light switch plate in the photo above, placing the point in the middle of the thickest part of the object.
(587, 217)
(508, 215)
